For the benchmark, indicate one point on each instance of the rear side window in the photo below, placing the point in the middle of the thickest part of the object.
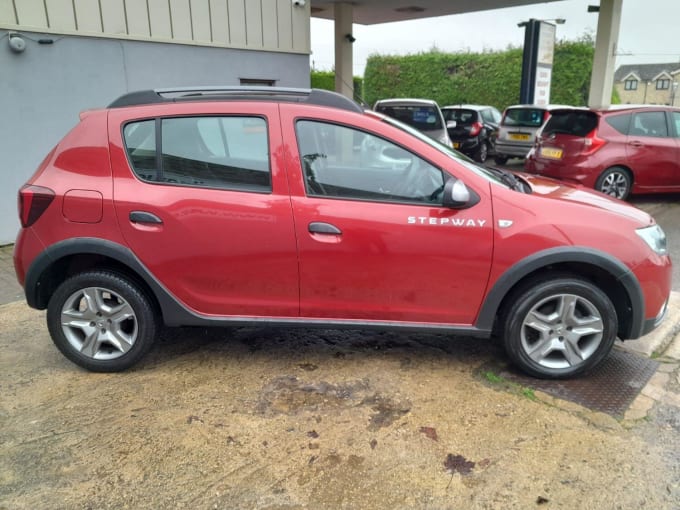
(523, 117)
(619, 122)
(649, 124)
(423, 118)
(213, 152)
(575, 123)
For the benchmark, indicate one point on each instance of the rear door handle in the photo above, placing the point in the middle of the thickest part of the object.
(636, 143)
(145, 217)
(320, 227)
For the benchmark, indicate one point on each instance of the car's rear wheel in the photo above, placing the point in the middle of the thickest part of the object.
(101, 321)
(559, 327)
(615, 181)
(500, 160)
(482, 152)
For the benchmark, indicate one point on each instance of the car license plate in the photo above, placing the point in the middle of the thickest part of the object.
(524, 137)
(549, 152)
(456, 145)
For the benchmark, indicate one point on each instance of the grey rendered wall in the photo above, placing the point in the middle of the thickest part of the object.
(43, 89)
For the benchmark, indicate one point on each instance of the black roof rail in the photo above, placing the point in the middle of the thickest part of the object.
(170, 95)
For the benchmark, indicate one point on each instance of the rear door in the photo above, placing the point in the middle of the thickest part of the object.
(373, 239)
(652, 151)
(202, 200)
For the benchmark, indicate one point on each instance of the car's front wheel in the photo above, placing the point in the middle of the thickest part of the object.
(102, 321)
(559, 327)
(614, 181)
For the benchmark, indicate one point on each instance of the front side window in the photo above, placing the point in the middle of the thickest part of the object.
(663, 84)
(212, 152)
(631, 84)
(341, 162)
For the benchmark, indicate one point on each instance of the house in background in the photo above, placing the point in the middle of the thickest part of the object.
(648, 83)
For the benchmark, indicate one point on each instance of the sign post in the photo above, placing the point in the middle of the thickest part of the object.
(537, 61)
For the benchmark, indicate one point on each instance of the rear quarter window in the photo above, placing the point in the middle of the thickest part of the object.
(619, 122)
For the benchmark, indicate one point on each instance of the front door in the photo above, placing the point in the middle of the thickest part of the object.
(374, 241)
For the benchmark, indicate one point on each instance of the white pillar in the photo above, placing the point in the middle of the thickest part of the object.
(343, 50)
(602, 79)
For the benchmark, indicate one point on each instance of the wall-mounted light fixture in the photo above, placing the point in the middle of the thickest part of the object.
(350, 38)
(16, 43)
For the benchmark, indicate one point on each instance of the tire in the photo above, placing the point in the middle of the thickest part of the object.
(540, 329)
(500, 160)
(101, 321)
(615, 181)
(482, 153)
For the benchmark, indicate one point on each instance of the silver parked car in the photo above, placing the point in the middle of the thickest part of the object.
(518, 129)
(421, 114)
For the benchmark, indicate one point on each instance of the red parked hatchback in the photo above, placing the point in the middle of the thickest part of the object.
(617, 151)
(291, 207)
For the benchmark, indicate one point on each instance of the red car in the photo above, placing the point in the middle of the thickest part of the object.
(291, 207)
(618, 151)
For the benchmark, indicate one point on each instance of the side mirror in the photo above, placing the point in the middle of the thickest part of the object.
(458, 196)
(450, 124)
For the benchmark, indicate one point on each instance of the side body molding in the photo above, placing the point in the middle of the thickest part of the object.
(565, 254)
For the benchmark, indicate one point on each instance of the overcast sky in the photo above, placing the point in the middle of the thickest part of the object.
(649, 32)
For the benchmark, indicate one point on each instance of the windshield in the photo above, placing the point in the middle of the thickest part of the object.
(424, 118)
(456, 156)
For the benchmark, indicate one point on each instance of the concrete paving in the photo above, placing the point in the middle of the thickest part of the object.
(10, 290)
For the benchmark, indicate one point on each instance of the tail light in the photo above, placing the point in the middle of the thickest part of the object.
(475, 128)
(592, 143)
(33, 201)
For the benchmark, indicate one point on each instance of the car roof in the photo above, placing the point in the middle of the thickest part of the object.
(476, 107)
(548, 107)
(317, 97)
(406, 101)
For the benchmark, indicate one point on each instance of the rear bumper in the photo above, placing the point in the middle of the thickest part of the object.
(513, 149)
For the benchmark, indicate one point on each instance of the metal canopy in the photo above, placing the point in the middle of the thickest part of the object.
(371, 12)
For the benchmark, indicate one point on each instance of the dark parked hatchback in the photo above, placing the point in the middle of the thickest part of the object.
(475, 131)
(617, 151)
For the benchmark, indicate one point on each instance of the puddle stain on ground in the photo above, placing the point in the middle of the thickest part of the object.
(289, 395)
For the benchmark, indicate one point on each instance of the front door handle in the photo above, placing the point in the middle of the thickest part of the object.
(145, 217)
(320, 227)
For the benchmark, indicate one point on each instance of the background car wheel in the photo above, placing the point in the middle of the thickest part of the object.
(482, 153)
(559, 327)
(500, 160)
(101, 321)
(615, 181)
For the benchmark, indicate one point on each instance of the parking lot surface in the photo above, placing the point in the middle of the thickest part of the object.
(293, 419)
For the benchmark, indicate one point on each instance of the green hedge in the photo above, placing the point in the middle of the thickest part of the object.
(491, 77)
(326, 80)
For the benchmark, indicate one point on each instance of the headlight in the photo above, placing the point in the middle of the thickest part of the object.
(655, 238)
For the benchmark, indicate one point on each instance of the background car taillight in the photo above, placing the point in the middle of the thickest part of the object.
(592, 143)
(475, 128)
(33, 201)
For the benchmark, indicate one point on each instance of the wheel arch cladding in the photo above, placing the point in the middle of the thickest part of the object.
(609, 273)
(66, 258)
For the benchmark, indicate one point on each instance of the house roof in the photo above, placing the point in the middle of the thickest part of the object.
(646, 72)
